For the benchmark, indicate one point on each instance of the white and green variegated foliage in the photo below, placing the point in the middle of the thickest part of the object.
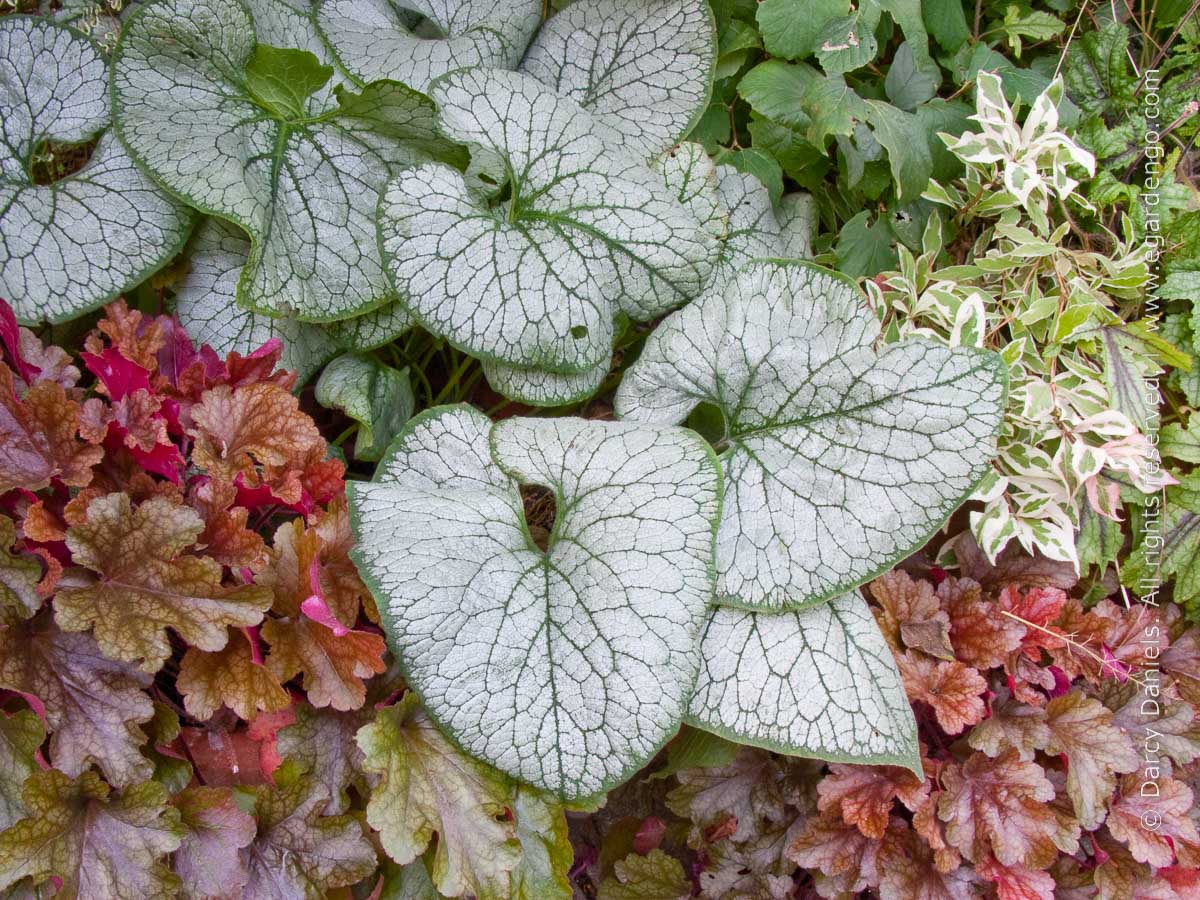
(415, 41)
(526, 261)
(68, 246)
(235, 109)
(569, 667)
(838, 461)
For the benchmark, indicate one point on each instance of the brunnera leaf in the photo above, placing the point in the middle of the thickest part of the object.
(70, 240)
(97, 843)
(375, 39)
(839, 460)
(818, 682)
(643, 69)
(299, 176)
(145, 582)
(591, 231)
(567, 668)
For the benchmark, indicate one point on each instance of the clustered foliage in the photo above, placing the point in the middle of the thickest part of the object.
(326, 572)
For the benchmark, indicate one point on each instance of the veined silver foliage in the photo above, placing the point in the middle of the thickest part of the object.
(838, 460)
(72, 244)
(415, 41)
(205, 301)
(533, 278)
(566, 668)
(643, 68)
(258, 136)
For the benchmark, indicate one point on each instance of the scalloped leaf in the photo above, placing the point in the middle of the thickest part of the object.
(838, 460)
(567, 668)
(590, 231)
(644, 68)
(415, 41)
(302, 182)
(70, 245)
(820, 682)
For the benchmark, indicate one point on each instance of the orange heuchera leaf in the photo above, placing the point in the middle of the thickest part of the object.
(982, 636)
(93, 705)
(1011, 724)
(231, 677)
(846, 858)
(999, 807)
(1086, 630)
(225, 537)
(257, 423)
(41, 525)
(137, 338)
(1016, 882)
(864, 794)
(910, 615)
(1038, 607)
(39, 437)
(954, 691)
(1081, 729)
(1153, 819)
(146, 584)
(910, 871)
(333, 666)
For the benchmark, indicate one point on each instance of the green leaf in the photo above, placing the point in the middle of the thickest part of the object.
(694, 748)
(1097, 75)
(304, 189)
(833, 107)
(838, 461)
(643, 69)
(546, 851)
(1028, 23)
(906, 85)
(74, 243)
(592, 231)
(283, 80)
(21, 735)
(376, 396)
(429, 787)
(19, 577)
(761, 165)
(567, 668)
(790, 29)
(821, 682)
(776, 90)
(1182, 443)
(375, 39)
(864, 247)
(947, 23)
(901, 135)
(655, 876)
(97, 844)
(848, 42)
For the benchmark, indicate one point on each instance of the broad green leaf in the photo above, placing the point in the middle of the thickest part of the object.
(567, 668)
(790, 29)
(907, 85)
(864, 247)
(695, 748)
(546, 850)
(428, 787)
(643, 68)
(838, 461)
(820, 682)
(303, 186)
(98, 844)
(758, 163)
(1097, 75)
(415, 41)
(655, 876)
(1182, 443)
(19, 577)
(1028, 23)
(375, 395)
(946, 22)
(848, 42)
(776, 90)
(832, 107)
(70, 244)
(284, 79)
(205, 301)
(590, 231)
(21, 734)
(900, 133)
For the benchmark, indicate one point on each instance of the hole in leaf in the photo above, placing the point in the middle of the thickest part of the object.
(708, 421)
(579, 332)
(52, 161)
(540, 511)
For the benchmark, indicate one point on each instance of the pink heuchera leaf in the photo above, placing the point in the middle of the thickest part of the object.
(10, 334)
(315, 607)
(120, 376)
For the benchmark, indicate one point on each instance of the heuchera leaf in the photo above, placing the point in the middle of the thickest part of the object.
(655, 876)
(567, 668)
(19, 577)
(374, 39)
(95, 843)
(322, 742)
(40, 437)
(303, 186)
(146, 583)
(642, 67)
(228, 677)
(21, 735)
(214, 830)
(427, 786)
(93, 705)
(299, 852)
(375, 395)
(591, 230)
(333, 665)
(72, 244)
